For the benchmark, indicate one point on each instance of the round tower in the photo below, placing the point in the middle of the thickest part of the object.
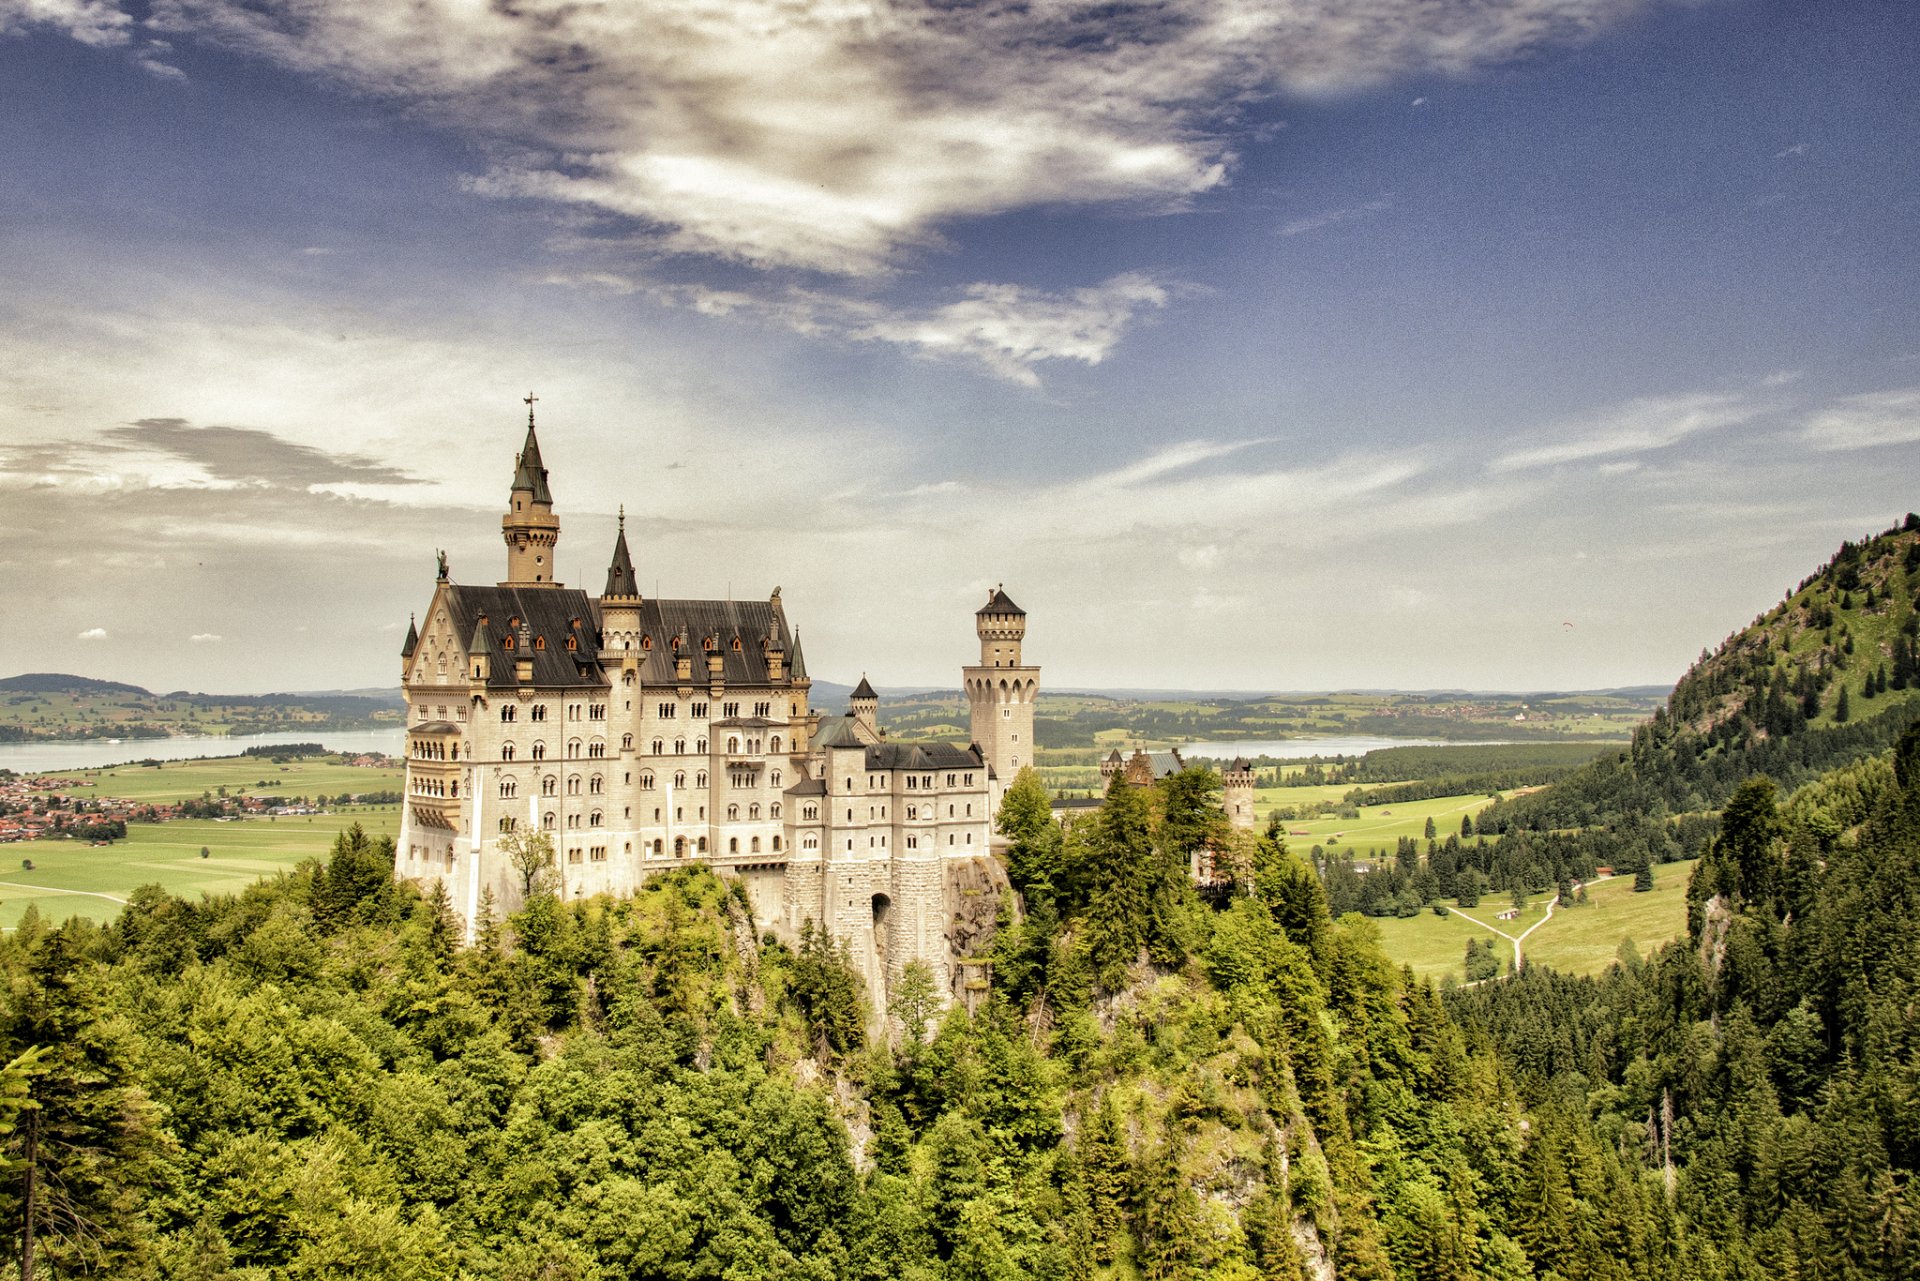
(1001, 689)
(530, 528)
(620, 606)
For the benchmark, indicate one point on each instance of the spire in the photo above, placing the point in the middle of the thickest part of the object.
(620, 579)
(413, 639)
(998, 602)
(528, 473)
(481, 643)
(864, 690)
(797, 668)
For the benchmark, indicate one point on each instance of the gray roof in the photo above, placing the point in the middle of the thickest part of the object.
(434, 727)
(528, 474)
(1000, 603)
(864, 690)
(839, 734)
(911, 756)
(747, 722)
(751, 622)
(1165, 763)
(798, 667)
(549, 614)
(808, 787)
(413, 640)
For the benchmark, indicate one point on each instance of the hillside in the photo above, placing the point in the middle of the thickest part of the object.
(1826, 676)
(47, 706)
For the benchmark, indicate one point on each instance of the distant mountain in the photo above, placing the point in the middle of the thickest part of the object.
(1830, 674)
(63, 683)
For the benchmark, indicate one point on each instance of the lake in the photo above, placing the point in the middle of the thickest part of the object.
(97, 753)
(1293, 749)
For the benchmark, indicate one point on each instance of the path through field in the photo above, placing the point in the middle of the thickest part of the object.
(1517, 941)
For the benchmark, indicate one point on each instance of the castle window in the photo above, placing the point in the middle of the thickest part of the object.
(776, 743)
(572, 643)
(753, 811)
(539, 642)
(508, 642)
(506, 824)
(506, 751)
(658, 849)
(573, 786)
(949, 811)
(573, 749)
(658, 747)
(733, 745)
(646, 642)
(733, 845)
(756, 845)
(679, 847)
(593, 820)
(702, 846)
(669, 710)
(913, 811)
(762, 709)
(736, 644)
(538, 712)
(774, 778)
(700, 779)
(776, 845)
(733, 813)
(546, 821)
(573, 855)
(596, 749)
(729, 710)
(539, 751)
(969, 780)
(595, 784)
(507, 788)
(508, 713)
(949, 780)
(549, 785)
(679, 747)
(679, 778)
(810, 813)
(599, 854)
(698, 711)
(913, 781)
(626, 742)
(646, 780)
(810, 843)
(699, 747)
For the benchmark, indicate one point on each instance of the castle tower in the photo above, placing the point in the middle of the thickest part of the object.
(865, 708)
(530, 528)
(1001, 689)
(1237, 791)
(620, 606)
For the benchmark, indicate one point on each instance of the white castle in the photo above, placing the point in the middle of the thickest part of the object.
(644, 735)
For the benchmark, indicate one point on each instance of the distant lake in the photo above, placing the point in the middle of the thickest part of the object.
(1293, 749)
(97, 753)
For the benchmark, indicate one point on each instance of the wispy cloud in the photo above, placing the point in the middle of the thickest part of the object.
(92, 22)
(1862, 422)
(1797, 149)
(1009, 329)
(204, 638)
(93, 634)
(1637, 427)
(1300, 226)
(248, 455)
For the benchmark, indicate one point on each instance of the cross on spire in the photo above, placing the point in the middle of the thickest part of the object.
(529, 398)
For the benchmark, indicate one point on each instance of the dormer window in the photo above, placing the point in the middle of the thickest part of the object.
(646, 642)
(508, 642)
(539, 642)
(736, 644)
(572, 643)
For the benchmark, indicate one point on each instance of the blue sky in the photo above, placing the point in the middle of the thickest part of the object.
(1298, 344)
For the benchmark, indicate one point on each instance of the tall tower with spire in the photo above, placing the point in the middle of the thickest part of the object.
(530, 528)
(620, 607)
(1002, 688)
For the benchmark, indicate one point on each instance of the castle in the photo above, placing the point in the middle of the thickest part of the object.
(642, 735)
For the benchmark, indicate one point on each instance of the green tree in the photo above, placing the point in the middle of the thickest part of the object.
(1120, 876)
(530, 853)
(916, 1000)
(1033, 849)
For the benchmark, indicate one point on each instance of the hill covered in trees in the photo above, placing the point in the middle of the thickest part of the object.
(1828, 675)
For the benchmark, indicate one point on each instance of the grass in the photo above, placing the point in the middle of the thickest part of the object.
(240, 775)
(1578, 940)
(1379, 827)
(72, 878)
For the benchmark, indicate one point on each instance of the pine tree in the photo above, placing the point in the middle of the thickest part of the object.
(1842, 713)
(1120, 877)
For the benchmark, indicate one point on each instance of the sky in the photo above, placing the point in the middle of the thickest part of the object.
(1282, 344)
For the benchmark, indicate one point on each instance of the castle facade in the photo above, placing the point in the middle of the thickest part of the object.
(641, 735)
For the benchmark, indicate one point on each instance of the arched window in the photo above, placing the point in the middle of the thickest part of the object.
(733, 845)
(700, 746)
(646, 780)
(733, 743)
(593, 820)
(626, 742)
(703, 845)
(573, 749)
(774, 778)
(679, 847)
(658, 849)
(546, 821)
(507, 713)
(810, 813)
(776, 743)
(810, 843)
(753, 811)
(573, 785)
(506, 824)
(507, 788)
(506, 751)
(756, 845)
(539, 751)
(596, 749)
(679, 747)
(679, 778)
(549, 785)
(773, 811)
(700, 779)
(595, 784)
(733, 813)
(658, 747)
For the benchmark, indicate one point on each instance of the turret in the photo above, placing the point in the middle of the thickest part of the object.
(865, 706)
(407, 646)
(480, 654)
(620, 605)
(523, 657)
(530, 528)
(1001, 626)
(1237, 782)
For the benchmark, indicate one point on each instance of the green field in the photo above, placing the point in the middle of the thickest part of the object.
(1578, 940)
(1379, 827)
(240, 775)
(72, 878)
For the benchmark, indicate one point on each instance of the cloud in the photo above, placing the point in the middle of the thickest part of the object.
(91, 22)
(1008, 329)
(1782, 378)
(247, 455)
(1797, 149)
(1299, 226)
(93, 634)
(204, 638)
(1637, 427)
(843, 138)
(1863, 422)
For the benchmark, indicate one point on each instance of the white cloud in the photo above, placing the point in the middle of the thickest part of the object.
(1797, 149)
(204, 638)
(1862, 422)
(1782, 378)
(93, 634)
(94, 22)
(840, 137)
(1639, 426)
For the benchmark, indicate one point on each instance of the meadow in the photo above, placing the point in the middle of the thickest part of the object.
(240, 775)
(73, 878)
(1378, 829)
(1584, 939)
